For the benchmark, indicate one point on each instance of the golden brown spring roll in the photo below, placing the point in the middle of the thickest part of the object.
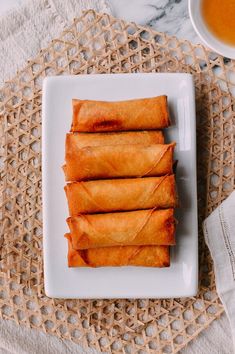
(145, 256)
(121, 195)
(138, 114)
(103, 162)
(133, 228)
(118, 138)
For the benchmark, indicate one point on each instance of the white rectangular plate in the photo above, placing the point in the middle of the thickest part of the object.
(181, 278)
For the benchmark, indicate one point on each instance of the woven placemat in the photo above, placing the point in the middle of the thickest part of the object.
(98, 43)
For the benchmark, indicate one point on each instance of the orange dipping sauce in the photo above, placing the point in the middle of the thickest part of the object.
(219, 16)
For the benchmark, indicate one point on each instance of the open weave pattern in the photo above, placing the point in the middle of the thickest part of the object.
(98, 43)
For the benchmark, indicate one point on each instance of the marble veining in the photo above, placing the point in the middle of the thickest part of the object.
(170, 16)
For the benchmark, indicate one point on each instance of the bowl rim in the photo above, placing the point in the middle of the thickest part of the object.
(214, 43)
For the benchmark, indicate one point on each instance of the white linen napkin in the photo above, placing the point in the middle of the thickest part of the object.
(219, 232)
(31, 25)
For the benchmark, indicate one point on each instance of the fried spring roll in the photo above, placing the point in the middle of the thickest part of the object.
(145, 256)
(121, 195)
(133, 228)
(138, 114)
(118, 138)
(103, 162)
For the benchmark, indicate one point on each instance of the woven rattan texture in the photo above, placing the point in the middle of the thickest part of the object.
(98, 43)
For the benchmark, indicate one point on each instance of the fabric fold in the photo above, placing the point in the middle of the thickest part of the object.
(219, 232)
(31, 26)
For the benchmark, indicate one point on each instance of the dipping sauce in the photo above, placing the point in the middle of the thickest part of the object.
(219, 16)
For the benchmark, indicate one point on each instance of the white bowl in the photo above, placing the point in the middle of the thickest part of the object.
(203, 32)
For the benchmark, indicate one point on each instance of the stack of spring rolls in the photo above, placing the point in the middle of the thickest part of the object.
(121, 188)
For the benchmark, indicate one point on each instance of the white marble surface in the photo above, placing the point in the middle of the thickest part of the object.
(169, 16)
(163, 15)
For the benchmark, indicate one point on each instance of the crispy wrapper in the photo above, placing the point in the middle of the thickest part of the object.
(133, 228)
(138, 114)
(145, 256)
(121, 195)
(103, 162)
(117, 138)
